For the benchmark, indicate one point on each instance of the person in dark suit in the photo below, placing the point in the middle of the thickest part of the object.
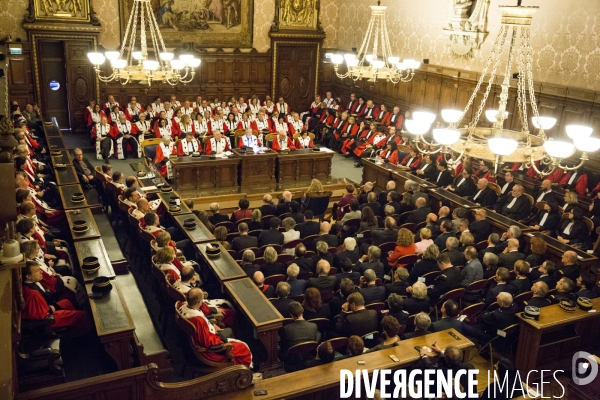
(463, 185)
(545, 193)
(427, 169)
(323, 281)
(373, 203)
(431, 225)
(282, 302)
(355, 319)
(295, 212)
(314, 306)
(451, 360)
(564, 290)
(395, 304)
(346, 273)
(368, 288)
(570, 268)
(259, 281)
(509, 258)
(448, 321)
(427, 264)
(325, 236)
(297, 332)
(546, 271)
(366, 189)
(371, 261)
(418, 300)
(350, 252)
(480, 228)
(383, 196)
(489, 323)
(506, 188)
(547, 219)
(388, 234)
(267, 208)
(484, 195)
(306, 264)
(516, 206)
(492, 247)
(586, 282)
(442, 177)
(446, 232)
(308, 227)
(272, 235)
(449, 279)
(420, 213)
(284, 205)
(400, 283)
(347, 287)
(248, 265)
(297, 286)
(501, 278)
(272, 267)
(456, 256)
(540, 290)
(393, 200)
(216, 217)
(243, 241)
(422, 326)
(84, 169)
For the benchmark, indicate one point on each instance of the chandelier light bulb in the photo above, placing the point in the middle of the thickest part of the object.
(337, 59)
(111, 55)
(186, 57)
(151, 65)
(417, 127)
(137, 55)
(559, 148)
(178, 64)
(412, 64)
(544, 123)
(502, 146)
(369, 57)
(349, 56)
(451, 116)
(352, 63)
(378, 64)
(587, 144)
(166, 56)
(446, 137)
(393, 60)
(578, 131)
(118, 63)
(194, 63)
(401, 66)
(424, 116)
(492, 115)
(96, 58)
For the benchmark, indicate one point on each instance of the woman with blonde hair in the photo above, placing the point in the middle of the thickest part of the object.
(255, 223)
(405, 245)
(466, 239)
(221, 235)
(427, 263)
(163, 259)
(272, 267)
(419, 301)
(425, 242)
(571, 201)
(315, 187)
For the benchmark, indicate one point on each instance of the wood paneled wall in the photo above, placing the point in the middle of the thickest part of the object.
(220, 75)
(435, 88)
(20, 77)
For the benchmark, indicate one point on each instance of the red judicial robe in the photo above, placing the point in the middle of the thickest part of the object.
(303, 143)
(276, 146)
(394, 120)
(487, 175)
(352, 131)
(392, 158)
(217, 147)
(413, 162)
(260, 125)
(162, 153)
(131, 112)
(37, 308)
(371, 113)
(185, 148)
(368, 137)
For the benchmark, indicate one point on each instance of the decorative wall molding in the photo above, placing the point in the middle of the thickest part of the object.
(466, 26)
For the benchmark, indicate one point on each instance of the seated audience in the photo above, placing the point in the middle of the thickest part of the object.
(448, 321)
(290, 233)
(489, 323)
(297, 286)
(373, 256)
(391, 327)
(323, 282)
(271, 235)
(306, 264)
(282, 302)
(272, 267)
(395, 304)
(418, 301)
(248, 266)
(546, 274)
(521, 283)
(259, 281)
(308, 227)
(242, 212)
(422, 325)
(586, 283)
(355, 319)
(399, 284)
(350, 252)
(511, 254)
(325, 355)
(540, 291)
(314, 306)
(216, 217)
(325, 236)
(221, 236)
(405, 245)
(322, 253)
(243, 241)
(368, 288)
(502, 276)
(564, 290)
(427, 264)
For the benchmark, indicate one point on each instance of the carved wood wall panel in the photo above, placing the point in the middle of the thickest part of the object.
(296, 73)
(20, 77)
(81, 79)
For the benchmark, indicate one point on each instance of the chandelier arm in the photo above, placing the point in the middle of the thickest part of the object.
(133, 37)
(387, 50)
(506, 81)
(529, 57)
(426, 151)
(155, 23)
(143, 40)
(583, 159)
(541, 173)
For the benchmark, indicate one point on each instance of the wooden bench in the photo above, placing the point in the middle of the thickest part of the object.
(148, 344)
(115, 255)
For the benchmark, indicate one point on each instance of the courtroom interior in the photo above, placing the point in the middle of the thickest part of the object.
(238, 199)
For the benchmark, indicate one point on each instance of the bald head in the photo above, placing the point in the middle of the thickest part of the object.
(420, 202)
(267, 198)
(444, 212)
(546, 185)
(482, 183)
(513, 244)
(431, 218)
(258, 278)
(570, 257)
(323, 268)
(287, 196)
(325, 227)
(391, 185)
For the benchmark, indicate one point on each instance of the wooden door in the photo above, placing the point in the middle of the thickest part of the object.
(296, 74)
(81, 81)
(53, 81)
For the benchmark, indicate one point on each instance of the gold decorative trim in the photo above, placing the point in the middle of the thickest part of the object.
(62, 27)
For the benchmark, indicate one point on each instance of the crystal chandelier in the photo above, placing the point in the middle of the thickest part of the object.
(159, 65)
(497, 144)
(374, 59)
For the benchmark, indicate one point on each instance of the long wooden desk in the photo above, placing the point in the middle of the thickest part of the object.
(200, 234)
(56, 143)
(166, 197)
(66, 175)
(83, 214)
(51, 130)
(205, 172)
(66, 192)
(94, 248)
(64, 158)
(263, 316)
(551, 341)
(257, 169)
(323, 382)
(304, 165)
(382, 173)
(224, 267)
(114, 325)
(438, 195)
(556, 249)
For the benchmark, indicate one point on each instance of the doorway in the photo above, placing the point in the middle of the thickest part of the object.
(296, 74)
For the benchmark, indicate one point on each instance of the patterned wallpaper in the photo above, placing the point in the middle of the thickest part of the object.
(12, 13)
(565, 35)
(329, 17)
(264, 12)
(111, 31)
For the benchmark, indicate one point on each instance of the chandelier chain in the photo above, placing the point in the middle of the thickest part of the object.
(522, 88)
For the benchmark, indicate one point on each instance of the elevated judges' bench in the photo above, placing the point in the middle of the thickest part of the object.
(205, 172)
(549, 343)
(323, 382)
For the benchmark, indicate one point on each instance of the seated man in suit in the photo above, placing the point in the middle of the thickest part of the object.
(442, 177)
(216, 217)
(243, 241)
(355, 319)
(489, 323)
(297, 286)
(282, 302)
(346, 272)
(308, 227)
(259, 281)
(248, 265)
(570, 267)
(501, 278)
(564, 290)
(427, 169)
(449, 313)
(306, 264)
(540, 291)
(516, 206)
(449, 279)
(545, 193)
(297, 332)
(493, 245)
(323, 281)
(511, 255)
(388, 234)
(267, 207)
(284, 205)
(325, 236)
(371, 202)
(400, 283)
(350, 251)
(546, 271)
(431, 225)
(369, 289)
(456, 256)
(586, 283)
(271, 235)
(84, 169)
(480, 228)
(445, 233)
(373, 256)
(484, 195)
(420, 213)
(451, 360)
(422, 326)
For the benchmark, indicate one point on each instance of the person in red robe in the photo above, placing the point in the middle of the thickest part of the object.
(39, 304)
(249, 140)
(133, 110)
(394, 119)
(217, 144)
(161, 159)
(303, 141)
(207, 334)
(364, 140)
(351, 138)
(485, 172)
(282, 142)
(390, 154)
(188, 145)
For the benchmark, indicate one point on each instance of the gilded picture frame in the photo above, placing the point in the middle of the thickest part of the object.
(58, 10)
(205, 23)
(296, 15)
